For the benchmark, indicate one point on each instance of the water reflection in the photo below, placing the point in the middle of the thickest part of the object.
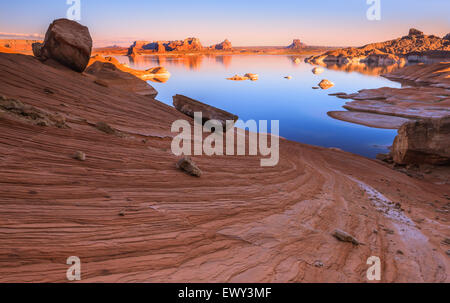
(366, 69)
(302, 111)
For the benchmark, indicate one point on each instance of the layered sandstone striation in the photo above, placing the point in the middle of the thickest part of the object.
(109, 75)
(132, 216)
(425, 94)
(414, 47)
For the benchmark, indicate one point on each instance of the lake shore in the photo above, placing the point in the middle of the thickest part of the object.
(132, 216)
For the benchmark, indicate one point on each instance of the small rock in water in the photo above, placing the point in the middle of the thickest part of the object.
(315, 87)
(345, 237)
(317, 70)
(326, 84)
(189, 166)
(79, 155)
(251, 76)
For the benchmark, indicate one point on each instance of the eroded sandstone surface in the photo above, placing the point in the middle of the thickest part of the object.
(132, 216)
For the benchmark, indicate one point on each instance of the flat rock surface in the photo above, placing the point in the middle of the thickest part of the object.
(132, 216)
(368, 119)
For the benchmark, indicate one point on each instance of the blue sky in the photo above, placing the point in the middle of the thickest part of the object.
(262, 22)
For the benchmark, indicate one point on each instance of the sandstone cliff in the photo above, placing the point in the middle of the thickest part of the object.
(188, 44)
(415, 47)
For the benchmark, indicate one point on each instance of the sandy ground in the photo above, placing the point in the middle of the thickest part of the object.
(131, 216)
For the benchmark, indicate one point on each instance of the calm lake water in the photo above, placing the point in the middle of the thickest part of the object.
(301, 110)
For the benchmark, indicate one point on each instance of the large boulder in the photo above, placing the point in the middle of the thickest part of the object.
(67, 42)
(108, 75)
(423, 142)
(190, 106)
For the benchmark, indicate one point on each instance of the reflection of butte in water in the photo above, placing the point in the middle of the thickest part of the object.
(363, 68)
(193, 62)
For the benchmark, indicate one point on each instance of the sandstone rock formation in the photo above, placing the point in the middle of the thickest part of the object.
(423, 141)
(415, 32)
(225, 45)
(114, 77)
(247, 76)
(238, 78)
(369, 119)
(389, 52)
(188, 44)
(296, 45)
(434, 75)
(67, 42)
(190, 106)
(427, 98)
(17, 45)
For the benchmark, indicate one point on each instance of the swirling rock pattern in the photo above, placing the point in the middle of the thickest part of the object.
(132, 216)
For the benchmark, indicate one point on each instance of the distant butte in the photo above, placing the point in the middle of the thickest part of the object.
(296, 44)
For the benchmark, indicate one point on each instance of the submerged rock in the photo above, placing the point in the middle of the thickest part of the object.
(317, 70)
(238, 78)
(190, 106)
(425, 141)
(186, 164)
(67, 42)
